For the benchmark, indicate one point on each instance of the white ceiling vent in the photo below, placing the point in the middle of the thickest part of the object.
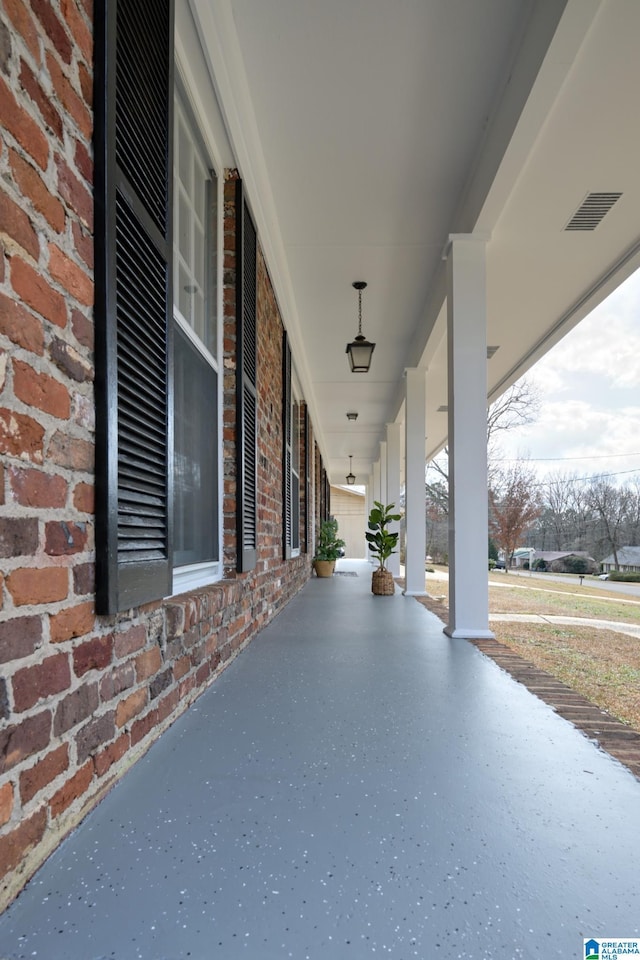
(592, 210)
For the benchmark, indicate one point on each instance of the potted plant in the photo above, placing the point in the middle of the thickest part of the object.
(382, 543)
(328, 548)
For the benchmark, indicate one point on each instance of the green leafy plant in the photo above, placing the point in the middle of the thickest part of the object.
(382, 543)
(329, 544)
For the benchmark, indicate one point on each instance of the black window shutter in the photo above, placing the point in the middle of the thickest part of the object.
(307, 480)
(246, 385)
(133, 101)
(287, 427)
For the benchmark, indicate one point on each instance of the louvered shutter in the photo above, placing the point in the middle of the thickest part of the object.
(287, 427)
(133, 179)
(307, 481)
(246, 386)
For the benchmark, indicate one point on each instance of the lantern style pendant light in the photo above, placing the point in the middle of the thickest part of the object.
(351, 479)
(360, 350)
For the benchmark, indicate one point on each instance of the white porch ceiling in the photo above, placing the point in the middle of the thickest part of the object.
(367, 131)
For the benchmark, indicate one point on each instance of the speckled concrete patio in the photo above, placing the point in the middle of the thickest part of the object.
(354, 785)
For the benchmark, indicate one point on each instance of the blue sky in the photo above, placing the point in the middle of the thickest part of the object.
(590, 389)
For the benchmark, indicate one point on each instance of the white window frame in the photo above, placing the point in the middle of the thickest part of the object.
(193, 576)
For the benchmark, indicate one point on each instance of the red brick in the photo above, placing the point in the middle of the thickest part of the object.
(18, 536)
(83, 243)
(70, 276)
(121, 678)
(95, 654)
(33, 186)
(78, 28)
(40, 681)
(75, 708)
(83, 162)
(70, 452)
(94, 734)
(143, 726)
(181, 667)
(40, 390)
(22, 20)
(53, 28)
(20, 326)
(25, 130)
(167, 705)
(67, 359)
(22, 740)
(72, 622)
(15, 846)
(19, 637)
(15, 223)
(6, 803)
(21, 436)
(111, 754)
(84, 579)
(82, 328)
(45, 585)
(148, 663)
(43, 773)
(77, 196)
(69, 98)
(72, 790)
(130, 707)
(33, 488)
(30, 85)
(86, 84)
(35, 291)
(64, 538)
(129, 641)
(84, 497)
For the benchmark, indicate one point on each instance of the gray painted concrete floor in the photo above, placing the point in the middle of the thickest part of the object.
(354, 785)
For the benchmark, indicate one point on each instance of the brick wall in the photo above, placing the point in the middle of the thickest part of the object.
(82, 696)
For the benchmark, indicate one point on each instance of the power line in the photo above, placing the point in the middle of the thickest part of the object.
(598, 456)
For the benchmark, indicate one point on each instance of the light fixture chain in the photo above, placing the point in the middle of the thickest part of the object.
(359, 312)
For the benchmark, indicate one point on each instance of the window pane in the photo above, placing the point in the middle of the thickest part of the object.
(196, 454)
(195, 231)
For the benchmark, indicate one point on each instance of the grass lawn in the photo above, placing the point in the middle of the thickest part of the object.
(602, 665)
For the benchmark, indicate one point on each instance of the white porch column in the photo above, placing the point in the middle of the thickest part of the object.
(415, 432)
(383, 472)
(393, 488)
(376, 492)
(467, 374)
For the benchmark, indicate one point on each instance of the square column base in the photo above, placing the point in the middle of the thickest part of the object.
(462, 634)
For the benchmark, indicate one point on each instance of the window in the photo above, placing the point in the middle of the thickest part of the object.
(291, 467)
(157, 374)
(195, 353)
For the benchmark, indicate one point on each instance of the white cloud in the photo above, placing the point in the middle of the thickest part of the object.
(590, 414)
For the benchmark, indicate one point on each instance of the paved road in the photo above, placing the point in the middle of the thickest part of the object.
(612, 586)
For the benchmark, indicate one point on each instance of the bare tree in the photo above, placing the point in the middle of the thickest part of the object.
(517, 406)
(515, 504)
(612, 506)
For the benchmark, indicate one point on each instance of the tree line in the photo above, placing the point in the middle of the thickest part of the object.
(563, 512)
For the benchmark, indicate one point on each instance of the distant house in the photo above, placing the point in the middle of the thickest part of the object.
(628, 561)
(558, 561)
(348, 506)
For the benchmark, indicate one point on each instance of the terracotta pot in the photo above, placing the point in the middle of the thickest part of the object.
(382, 583)
(324, 568)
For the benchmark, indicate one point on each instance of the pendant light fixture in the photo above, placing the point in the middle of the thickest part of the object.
(360, 350)
(351, 479)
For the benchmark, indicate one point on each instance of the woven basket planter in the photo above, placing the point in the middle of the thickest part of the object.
(382, 583)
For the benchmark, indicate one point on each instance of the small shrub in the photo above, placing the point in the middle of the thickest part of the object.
(624, 577)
